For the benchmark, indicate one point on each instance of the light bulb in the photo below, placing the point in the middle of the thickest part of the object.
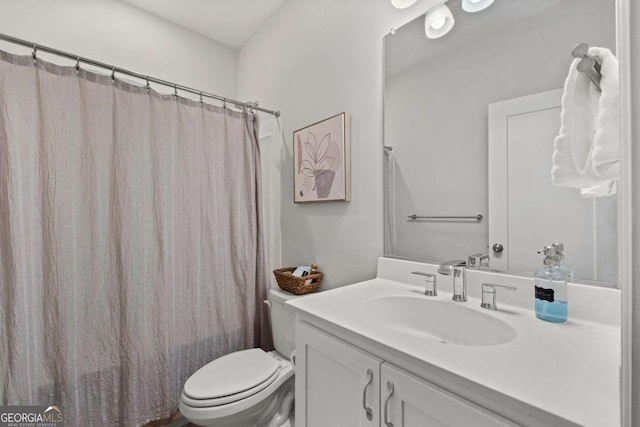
(403, 4)
(438, 22)
(475, 5)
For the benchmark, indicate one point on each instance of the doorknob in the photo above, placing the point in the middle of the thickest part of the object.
(498, 248)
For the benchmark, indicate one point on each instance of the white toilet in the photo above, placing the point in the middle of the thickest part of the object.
(249, 388)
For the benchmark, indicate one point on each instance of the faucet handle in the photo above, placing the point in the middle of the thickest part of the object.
(489, 295)
(475, 261)
(430, 283)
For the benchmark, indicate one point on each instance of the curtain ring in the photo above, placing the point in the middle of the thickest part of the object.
(175, 90)
(78, 65)
(35, 54)
(113, 74)
(224, 103)
(148, 85)
(201, 100)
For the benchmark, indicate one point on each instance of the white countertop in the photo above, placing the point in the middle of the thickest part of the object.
(570, 370)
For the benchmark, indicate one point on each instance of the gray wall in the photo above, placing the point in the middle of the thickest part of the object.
(117, 33)
(436, 119)
(313, 59)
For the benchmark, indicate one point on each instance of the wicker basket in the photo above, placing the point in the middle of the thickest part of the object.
(297, 285)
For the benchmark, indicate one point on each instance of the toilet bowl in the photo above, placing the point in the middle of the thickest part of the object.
(248, 388)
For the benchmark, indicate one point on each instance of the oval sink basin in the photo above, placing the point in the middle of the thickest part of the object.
(446, 322)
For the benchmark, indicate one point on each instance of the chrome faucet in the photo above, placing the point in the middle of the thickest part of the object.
(489, 295)
(430, 289)
(456, 269)
(474, 262)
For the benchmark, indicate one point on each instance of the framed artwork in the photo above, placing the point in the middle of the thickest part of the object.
(321, 163)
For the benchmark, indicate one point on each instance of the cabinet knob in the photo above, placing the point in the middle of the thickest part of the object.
(498, 248)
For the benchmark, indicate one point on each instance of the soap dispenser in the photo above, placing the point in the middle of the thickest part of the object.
(551, 285)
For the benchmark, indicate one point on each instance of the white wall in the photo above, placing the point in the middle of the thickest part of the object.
(436, 119)
(116, 33)
(313, 59)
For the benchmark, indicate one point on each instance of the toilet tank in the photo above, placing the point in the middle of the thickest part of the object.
(283, 320)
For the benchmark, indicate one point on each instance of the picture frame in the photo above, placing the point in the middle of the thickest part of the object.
(321, 161)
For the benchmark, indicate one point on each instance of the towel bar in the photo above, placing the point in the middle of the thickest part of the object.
(476, 217)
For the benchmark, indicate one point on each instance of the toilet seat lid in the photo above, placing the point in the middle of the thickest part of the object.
(231, 374)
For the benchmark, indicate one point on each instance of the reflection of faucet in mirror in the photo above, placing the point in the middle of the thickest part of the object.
(456, 268)
(474, 261)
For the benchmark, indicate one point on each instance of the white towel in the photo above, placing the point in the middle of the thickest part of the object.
(587, 150)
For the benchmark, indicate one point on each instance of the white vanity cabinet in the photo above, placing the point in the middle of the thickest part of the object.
(336, 384)
(408, 401)
(339, 385)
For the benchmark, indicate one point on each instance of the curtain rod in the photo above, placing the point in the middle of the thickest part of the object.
(79, 59)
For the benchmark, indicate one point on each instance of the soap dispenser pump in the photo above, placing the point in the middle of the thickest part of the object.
(551, 300)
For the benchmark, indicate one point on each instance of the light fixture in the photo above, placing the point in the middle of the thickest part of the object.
(403, 4)
(438, 22)
(476, 5)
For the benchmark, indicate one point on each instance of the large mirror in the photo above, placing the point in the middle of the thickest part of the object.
(469, 129)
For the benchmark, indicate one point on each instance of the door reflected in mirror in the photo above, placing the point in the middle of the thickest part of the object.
(470, 124)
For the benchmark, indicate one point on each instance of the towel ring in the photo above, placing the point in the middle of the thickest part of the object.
(589, 65)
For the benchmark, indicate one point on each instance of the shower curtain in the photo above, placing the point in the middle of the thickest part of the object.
(131, 248)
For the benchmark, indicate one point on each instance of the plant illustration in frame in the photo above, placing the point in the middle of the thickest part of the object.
(321, 161)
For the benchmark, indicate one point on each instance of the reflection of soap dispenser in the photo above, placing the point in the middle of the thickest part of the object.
(563, 266)
(551, 285)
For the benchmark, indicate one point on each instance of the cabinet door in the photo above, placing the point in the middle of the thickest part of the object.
(408, 401)
(337, 384)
